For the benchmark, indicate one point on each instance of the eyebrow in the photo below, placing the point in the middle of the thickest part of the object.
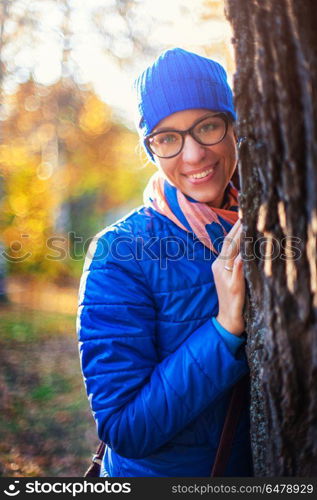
(170, 129)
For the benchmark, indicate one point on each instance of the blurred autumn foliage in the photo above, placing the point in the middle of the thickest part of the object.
(66, 162)
(69, 166)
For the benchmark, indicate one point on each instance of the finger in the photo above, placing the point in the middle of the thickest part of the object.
(237, 271)
(232, 234)
(231, 247)
(234, 228)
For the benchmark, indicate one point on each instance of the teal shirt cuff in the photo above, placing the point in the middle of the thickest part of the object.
(233, 341)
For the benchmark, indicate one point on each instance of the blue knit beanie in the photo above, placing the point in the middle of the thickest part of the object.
(176, 81)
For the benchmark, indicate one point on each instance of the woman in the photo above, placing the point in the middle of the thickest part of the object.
(160, 319)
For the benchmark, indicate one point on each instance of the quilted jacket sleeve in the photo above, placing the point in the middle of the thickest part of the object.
(139, 403)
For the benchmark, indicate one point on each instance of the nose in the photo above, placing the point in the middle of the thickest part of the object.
(193, 152)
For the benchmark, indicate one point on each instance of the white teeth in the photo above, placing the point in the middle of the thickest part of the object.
(202, 174)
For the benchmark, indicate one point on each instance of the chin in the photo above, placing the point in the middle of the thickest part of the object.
(213, 199)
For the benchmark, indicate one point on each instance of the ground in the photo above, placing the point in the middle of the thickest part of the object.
(46, 427)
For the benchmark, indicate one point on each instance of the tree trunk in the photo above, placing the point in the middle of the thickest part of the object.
(275, 94)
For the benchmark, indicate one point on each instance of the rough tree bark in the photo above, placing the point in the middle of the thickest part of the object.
(275, 94)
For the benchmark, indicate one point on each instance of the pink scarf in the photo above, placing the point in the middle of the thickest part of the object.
(207, 223)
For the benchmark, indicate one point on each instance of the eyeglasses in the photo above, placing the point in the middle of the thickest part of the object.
(207, 131)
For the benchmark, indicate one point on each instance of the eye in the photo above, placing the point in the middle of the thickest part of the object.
(165, 138)
(209, 126)
(211, 130)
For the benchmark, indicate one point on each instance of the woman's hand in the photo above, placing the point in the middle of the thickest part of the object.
(229, 281)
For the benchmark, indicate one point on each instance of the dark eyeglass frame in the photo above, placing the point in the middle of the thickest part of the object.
(189, 131)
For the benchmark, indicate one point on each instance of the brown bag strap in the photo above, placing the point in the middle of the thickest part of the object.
(226, 439)
(235, 406)
(94, 469)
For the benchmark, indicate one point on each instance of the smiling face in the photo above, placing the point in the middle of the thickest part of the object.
(201, 172)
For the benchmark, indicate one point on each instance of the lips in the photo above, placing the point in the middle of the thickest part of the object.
(202, 175)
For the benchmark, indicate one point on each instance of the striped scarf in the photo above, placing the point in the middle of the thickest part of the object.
(209, 224)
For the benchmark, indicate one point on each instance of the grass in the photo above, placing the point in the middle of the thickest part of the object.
(46, 427)
(27, 325)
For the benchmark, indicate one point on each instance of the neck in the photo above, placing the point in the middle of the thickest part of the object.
(221, 202)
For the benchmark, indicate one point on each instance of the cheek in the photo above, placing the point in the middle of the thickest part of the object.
(231, 155)
(168, 167)
(234, 158)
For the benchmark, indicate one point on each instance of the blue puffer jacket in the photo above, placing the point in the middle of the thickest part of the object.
(158, 370)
